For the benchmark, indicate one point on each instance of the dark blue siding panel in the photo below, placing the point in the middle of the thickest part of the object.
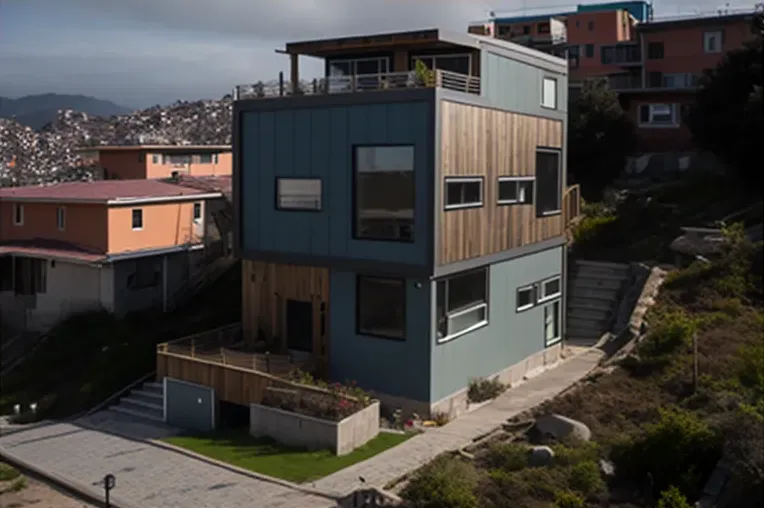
(318, 142)
(399, 368)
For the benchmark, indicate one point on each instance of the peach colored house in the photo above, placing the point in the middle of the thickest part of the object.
(160, 161)
(121, 245)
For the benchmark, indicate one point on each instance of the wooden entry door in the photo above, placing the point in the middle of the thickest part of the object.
(299, 325)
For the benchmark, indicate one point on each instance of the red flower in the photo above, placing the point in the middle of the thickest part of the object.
(409, 423)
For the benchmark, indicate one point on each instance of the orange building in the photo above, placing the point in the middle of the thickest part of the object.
(160, 161)
(120, 245)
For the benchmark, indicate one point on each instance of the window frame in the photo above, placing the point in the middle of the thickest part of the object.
(198, 206)
(533, 288)
(156, 158)
(558, 152)
(652, 50)
(354, 168)
(358, 330)
(18, 214)
(516, 179)
(465, 310)
(61, 218)
(675, 121)
(556, 307)
(463, 179)
(589, 50)
(544, 104)
(542, 296)
(434, 57)
(202, 161)
(279, 207)
(719, 36)
(132, 218)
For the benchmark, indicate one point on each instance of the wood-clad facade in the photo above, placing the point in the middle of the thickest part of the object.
(490, 143)
(279, 301)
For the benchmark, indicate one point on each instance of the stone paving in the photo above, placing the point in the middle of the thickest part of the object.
(417, 451)
(148, 476)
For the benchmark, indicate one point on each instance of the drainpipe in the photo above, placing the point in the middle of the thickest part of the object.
(164, 283)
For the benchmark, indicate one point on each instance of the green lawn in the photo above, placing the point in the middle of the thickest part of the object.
(274, 459)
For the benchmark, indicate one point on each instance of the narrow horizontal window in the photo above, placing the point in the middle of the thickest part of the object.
(515, 190)
(526, 297)
(298, 194)
(550, 289)
(463, 193)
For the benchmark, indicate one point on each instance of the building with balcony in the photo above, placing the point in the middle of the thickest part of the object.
(405, 228)
(119, 245)
(134, 162)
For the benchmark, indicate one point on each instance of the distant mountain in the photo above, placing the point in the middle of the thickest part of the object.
(37, 110)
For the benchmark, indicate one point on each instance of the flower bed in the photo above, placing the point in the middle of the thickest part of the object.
(339, 417)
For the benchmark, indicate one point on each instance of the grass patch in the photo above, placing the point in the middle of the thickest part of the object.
(274, 459)
(8, 473)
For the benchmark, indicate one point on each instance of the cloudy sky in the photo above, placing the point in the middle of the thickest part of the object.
(143, 52)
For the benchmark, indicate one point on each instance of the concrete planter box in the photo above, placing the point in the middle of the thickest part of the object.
(313, 433)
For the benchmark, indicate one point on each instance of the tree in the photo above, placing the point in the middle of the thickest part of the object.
(727, 115)
(600, 137)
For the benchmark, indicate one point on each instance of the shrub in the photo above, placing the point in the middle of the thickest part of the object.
(482, 389)
(565, 499)
(750, 371)
(672, 497)
(440, 418)
(445, 483)
(672, 330)
(693, 274)
(585, 478)
(679, 450)
(744, 448)
(592, 227)
(508, 456)
(8, 473)
(572, 455)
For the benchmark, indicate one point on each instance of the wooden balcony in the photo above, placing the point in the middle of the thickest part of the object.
(360, 83)
(239, 372)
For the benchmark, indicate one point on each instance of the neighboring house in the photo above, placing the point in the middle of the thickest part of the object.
(121, 245)
(410, 236)
(135, 162)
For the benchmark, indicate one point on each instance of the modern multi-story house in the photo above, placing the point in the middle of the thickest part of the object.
(120, 245)
(408, 228)
(133, 162)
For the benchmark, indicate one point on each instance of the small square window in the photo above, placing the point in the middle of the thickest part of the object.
(61, 218)
(526, 298)
(515, 190)
(156, 158)
(18, 214)
(655, 51)
(137, 218)
(549, 93)
(197, 212)
(463, 193)
(381, 307)
(205, 158)
(298, 194)
(712, 42)
(550, 288)
(590, 51)
(552, 333)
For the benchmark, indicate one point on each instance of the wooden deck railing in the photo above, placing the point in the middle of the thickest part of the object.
(359, 83)
(571, 205)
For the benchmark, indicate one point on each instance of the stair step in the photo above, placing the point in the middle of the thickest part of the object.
(611, 284)
(601, 264)
(593, 294)
(588, 340)
(144, 407)
(153, 387)
(136, 414)
(592, 315)
(574, 323)
(598, 275)
(149, 397)
(590, 304)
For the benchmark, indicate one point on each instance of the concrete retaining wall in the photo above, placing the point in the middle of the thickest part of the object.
(306, 431)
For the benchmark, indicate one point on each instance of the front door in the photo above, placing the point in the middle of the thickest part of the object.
(299, 325)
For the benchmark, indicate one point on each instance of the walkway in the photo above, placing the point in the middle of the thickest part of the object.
(414, 453)
(147, 476)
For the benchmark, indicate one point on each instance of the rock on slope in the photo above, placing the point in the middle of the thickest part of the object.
(29, 157)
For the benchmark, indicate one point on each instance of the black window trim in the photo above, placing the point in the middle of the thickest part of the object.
(477, 326)
(299, 210)
(558, 151)
(508, 202)
(354, 192)
(132, 219)
(358, 331)
(465, 179)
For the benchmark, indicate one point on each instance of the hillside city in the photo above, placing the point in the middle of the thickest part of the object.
(513, 266)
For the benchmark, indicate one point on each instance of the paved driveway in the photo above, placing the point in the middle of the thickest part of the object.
(147, 476)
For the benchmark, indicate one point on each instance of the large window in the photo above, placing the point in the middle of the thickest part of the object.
(205, 158)
(658, 115)
(552, 333)
(370, 70)
(549, 93)
(463, 192)
(177, 160)
(548, 184)
(384, 193)
(460, 63)
(298, 194)
(462, 303)
(381, 307)
(515, 190)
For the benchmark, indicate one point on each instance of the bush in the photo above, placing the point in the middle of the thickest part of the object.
(672, 330)
(673, 498)
(750, 371)
(445, 483)
(680, 450)
(572, 455)
(482, 389)
(508, 456)
(585, 478)
(568, 500)
(8, 473)
(592, 227)
(744, 449)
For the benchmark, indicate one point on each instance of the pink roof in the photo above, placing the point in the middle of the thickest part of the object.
(100, 191)
(40, 247)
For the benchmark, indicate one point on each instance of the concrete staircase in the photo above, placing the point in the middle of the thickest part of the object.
(594, 291)
(146, 401)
